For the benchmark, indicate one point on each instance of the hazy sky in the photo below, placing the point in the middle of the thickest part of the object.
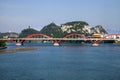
(16, 15)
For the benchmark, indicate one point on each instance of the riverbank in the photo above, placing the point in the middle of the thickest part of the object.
(17, 50)
(1, 48)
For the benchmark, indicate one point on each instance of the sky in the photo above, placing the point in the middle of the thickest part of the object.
(16, 15)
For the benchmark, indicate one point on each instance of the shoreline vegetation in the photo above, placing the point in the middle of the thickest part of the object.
(2, 45)
(17, 50)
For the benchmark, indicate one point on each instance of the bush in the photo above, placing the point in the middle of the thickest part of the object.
(2, 43)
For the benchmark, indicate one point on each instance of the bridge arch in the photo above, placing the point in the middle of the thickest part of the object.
(73, 35)
(42, 35)
(95, 42)
(19, 42)
(111, 36)
(32, 35)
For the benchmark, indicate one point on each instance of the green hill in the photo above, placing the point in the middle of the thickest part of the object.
(74, 27)
(27, 32)
(52, 30)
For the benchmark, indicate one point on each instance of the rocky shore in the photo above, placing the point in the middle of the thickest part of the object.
(17, 50)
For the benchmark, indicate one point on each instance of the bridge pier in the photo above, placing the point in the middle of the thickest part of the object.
(19, 42)
(95, 42)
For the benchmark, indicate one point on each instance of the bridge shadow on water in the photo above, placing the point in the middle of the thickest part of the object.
(86, 46)
(11, 44)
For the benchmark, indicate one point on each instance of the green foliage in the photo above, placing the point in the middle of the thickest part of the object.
(27, 32)
(76, 22)
(55, 31)
(52, 30)
(2, 43)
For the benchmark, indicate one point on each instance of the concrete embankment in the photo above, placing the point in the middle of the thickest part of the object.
(17, 50)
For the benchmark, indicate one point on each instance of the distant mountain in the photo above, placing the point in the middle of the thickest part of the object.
(79, 27)
(74, 27)
(27, 32)
(52, 30)
(98, 29)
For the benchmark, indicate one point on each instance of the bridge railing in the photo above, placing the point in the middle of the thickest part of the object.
(59, 39)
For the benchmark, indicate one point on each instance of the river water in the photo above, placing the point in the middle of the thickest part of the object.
(66, 62)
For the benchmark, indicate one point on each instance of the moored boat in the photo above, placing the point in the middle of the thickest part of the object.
(95, 44)
(56, 44)
(18, 44)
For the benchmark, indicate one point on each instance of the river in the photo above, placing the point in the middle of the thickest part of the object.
(66, 62)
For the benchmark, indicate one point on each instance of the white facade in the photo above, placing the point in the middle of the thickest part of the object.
(112, 36)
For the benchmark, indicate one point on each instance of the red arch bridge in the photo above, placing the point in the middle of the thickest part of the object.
(69, 37)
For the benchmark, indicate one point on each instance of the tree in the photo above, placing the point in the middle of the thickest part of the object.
(27, 32)
(2, 43)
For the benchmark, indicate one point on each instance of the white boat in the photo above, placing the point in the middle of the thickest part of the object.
(95, 44)
(18, 44)
(56, 44)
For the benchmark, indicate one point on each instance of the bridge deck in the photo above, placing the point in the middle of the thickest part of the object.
(40, 39)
